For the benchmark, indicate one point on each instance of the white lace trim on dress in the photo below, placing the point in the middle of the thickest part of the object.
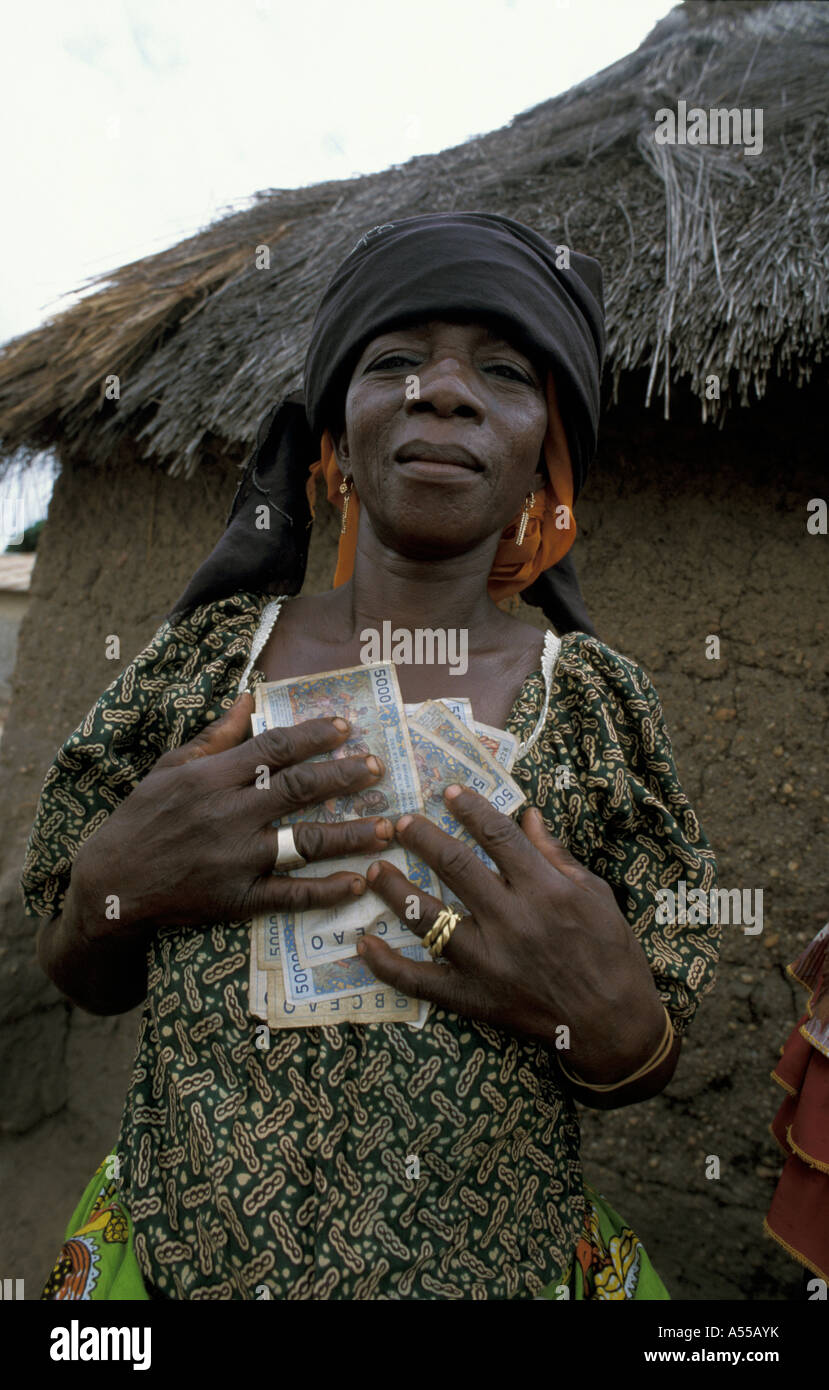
(270, 613)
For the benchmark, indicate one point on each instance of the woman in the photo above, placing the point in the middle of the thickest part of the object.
(453, 380)
(798, 1217)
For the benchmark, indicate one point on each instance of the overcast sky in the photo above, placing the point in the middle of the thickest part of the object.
(130, 124)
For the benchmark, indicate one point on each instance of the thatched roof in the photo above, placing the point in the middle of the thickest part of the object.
(714, 260)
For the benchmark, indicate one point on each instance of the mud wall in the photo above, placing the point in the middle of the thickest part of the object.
(685, 533)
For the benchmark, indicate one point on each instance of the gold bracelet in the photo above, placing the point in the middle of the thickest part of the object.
(656, 1060)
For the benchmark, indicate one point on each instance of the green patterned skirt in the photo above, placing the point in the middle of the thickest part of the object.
(97, 1259)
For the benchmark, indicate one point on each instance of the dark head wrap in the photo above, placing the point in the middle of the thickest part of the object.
(546, 299)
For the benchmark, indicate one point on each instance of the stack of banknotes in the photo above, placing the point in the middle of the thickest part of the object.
(304, 968)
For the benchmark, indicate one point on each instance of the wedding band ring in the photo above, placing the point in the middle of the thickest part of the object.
(287, 854)
(437, 937)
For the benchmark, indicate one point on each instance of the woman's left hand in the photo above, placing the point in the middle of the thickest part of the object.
(545, 944)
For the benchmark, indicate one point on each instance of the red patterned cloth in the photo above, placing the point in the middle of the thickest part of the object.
(799, 1213)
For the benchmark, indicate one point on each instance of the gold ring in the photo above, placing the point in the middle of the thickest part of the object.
(287, 854)
(437, 937)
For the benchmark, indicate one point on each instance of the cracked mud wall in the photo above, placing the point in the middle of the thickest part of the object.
(684, 532)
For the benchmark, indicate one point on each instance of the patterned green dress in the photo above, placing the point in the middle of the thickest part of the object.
(284, 1172)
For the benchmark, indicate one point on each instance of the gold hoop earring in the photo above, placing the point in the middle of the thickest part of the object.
(345, 489)
(525, 516)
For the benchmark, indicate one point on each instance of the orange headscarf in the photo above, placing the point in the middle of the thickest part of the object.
(551, 526)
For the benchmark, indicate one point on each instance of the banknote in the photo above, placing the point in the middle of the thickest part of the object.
(314, 984)
(276, 945)
(438, 766)
(333, 933)
(382, 1004)
(502, 745)
(306, 970)
(306, 984)
(434, 719)
(369, 698)
(321, 945)
(459, 705)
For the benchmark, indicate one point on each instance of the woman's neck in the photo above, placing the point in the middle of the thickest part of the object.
(445, 593)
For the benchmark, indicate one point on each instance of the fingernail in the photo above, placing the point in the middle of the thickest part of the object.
(373, 764)
(384, 830)
(403, 822)
(453, 791)
(361, 947)
(358, 886)
(341, 725)
(372, 872)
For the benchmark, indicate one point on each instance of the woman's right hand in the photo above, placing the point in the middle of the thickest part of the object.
(194, 842)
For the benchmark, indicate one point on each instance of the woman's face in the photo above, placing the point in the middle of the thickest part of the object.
(442, 386)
